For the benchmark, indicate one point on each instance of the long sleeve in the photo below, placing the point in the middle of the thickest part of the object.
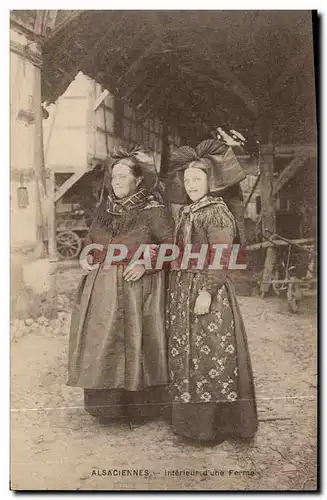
(100, 232)
(161, 224)
(219, 225)
(93, 225)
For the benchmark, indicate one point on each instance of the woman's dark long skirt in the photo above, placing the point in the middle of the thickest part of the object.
(117, 404)
(211, 422)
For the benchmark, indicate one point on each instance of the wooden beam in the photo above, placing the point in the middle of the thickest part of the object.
(27, 53)
(50, 131)
(68, 184)
(267, 244)
(288, 172)
(293, 149)
(104, 131)
(20, 27)
(51, 219)
(63, 25)
(45, 21)
(40, 174)
(91, 119)
(268, 211)
(290, 151)
(289, 242)
(252, 191)
(100, 99)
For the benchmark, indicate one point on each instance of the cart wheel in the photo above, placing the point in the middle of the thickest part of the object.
(69, 244)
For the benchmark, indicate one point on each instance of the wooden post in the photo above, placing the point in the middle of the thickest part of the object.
(39, 166)
(52, 240)
(266, 164)
(51, 201)
(91, 122)
(52, 294)
(45, 206)
(268, 209)
(165, 150)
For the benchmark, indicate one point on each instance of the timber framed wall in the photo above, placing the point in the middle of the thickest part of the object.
(87, 123)
(117, 123)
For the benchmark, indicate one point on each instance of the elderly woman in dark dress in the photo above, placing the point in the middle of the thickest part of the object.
(209, 365)
(118, 346)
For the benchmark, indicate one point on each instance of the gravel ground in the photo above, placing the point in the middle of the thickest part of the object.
(56, 445)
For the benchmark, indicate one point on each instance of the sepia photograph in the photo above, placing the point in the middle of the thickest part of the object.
(163, 250)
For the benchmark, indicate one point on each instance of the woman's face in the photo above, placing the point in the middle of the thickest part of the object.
(196, 183)
(123, 181)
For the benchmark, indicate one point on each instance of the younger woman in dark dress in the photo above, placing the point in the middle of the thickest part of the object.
(209, 364)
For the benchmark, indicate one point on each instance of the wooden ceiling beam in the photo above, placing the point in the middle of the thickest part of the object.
(45, 20)
(64, 24)
(289, 172)
(293, 149)
(69, 183)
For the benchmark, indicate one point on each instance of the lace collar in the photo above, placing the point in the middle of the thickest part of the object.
(202, 203)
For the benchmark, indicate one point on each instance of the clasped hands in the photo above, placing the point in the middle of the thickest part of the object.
(134, 272)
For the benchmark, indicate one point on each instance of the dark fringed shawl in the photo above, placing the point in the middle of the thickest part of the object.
(112, 209)
(203, 213)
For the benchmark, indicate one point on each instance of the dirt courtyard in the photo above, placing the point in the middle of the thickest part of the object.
(56, 445)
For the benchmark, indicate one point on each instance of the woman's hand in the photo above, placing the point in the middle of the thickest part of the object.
(153, 251)
(134, 273)
(203, 302)
(89, 261)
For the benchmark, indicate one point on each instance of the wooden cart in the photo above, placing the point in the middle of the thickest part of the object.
(286, 279)
(71, 229)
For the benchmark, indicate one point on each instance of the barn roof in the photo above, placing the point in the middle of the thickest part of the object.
(230, 68)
